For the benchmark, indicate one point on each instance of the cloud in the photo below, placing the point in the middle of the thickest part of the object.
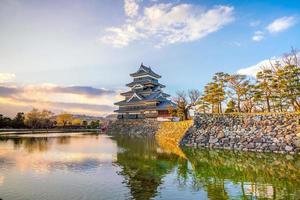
(166, 23)
(84, 90)
(255, 23)
(281, 24)
(252, 70)
(258, 36)
(73, 99)
(264, 64)
(5, 77)
(278, 25)
(235, 43)
(131, 8)
(8, 91)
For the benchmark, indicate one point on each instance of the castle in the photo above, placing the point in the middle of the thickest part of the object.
(145, 98)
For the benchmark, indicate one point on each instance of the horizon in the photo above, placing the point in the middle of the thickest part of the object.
(62, 56)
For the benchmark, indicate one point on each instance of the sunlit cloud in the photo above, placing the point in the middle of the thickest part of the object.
(264, 64)
(167, 23)
(72, 99)
(131, 8)
(5, 77)
(281, 24)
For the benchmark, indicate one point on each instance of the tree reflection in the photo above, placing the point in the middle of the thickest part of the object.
(64, 140)
(30, 144)
(258, 175)
(143, 166)
(222, 174)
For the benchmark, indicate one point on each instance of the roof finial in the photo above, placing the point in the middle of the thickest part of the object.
(142, 64)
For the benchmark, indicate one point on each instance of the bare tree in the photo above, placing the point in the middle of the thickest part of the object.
(194, 96)
(182, 104)
(185, 101)
(291, 58)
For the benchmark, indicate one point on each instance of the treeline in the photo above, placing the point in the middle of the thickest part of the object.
(275, 89)
(45, 119)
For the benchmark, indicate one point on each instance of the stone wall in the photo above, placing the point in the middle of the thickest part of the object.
(134, 127)
(279, 133)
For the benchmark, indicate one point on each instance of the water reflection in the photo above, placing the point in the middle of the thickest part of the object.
(259, 175)
(1, 180)
(138, 168)
(43, 154)
(143, 165)
(221, 174)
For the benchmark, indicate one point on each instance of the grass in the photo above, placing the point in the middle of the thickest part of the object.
(170, 134)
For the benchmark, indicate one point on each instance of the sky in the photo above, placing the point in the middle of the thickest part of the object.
(76, 55)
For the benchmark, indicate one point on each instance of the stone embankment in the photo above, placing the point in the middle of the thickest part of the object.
(137, 127)
(279, 133)
(170, 134)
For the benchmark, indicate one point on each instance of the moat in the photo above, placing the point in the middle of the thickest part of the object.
(92, 166)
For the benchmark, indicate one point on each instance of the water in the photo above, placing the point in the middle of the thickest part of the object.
(91, 166)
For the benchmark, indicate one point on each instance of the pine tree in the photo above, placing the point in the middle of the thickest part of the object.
(264, 87)
(230, 106)
(239, 85)
(221, 79)
(214, 94)
(292, 75)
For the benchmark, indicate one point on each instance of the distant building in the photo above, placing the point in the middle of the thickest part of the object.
(146, 98)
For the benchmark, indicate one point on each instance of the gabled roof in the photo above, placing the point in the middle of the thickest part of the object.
(165, 104)
(135, 97)
(145, 82)
(144, 93)
(143, 70)
(157, 96)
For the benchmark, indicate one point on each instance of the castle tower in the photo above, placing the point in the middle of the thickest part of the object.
(145, 98)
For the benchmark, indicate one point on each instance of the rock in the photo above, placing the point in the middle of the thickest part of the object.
(225, 140)
(262, 133)
(275, 140)
(213, 140)
(250, 146)
(220, 135)
(288, 148)
(297, 143)
(273, 147)
(257, 140)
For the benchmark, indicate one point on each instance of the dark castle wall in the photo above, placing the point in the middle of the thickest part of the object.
(134, 127)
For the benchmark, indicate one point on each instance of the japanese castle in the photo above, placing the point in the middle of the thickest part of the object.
(145, 98)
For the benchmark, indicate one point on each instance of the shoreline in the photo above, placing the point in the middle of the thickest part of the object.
(4, 132)
(276, 133)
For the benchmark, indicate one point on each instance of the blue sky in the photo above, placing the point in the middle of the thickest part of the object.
(96, 44)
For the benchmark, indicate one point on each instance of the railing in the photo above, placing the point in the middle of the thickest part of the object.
(137, 108)
(139, 80)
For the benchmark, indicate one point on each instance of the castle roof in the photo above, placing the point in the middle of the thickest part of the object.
(154, 96)
(143, 71)
(161, 106)
(143, 93)
(145, 82)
